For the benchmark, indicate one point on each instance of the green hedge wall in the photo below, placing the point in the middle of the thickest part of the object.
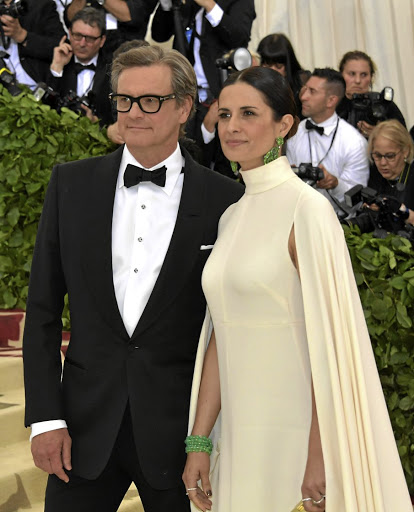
(33, 138)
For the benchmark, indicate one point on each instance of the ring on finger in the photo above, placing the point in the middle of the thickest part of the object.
(318, 502)
(307, 499)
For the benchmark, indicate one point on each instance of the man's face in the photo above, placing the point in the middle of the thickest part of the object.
(150, 137)
(314, 98)
(85, 48)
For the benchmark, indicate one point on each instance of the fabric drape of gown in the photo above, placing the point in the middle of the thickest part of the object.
(276, 334)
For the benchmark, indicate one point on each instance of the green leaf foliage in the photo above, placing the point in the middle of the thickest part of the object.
(33, 138)
(384, 270)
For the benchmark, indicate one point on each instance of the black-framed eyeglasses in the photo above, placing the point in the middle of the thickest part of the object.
(389, 157)
(77, 36)
(148, 103)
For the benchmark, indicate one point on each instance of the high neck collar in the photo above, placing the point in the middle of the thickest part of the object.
(268, 176)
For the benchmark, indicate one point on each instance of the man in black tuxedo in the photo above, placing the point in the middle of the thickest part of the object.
(126, 236)
(29, 40)
(79, 66)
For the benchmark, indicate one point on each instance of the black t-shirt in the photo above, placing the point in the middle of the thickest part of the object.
(402, 188)
(346, 109)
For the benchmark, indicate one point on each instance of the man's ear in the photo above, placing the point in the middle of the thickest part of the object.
(332, 101)
(103, 39)
(186, 107)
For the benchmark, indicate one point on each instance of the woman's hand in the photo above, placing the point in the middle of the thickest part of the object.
(313, 485)
(197, 468)
(365, 128)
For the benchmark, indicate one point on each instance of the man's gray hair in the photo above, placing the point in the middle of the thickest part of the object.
(183, 78)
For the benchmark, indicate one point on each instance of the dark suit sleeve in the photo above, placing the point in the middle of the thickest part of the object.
(43, 327)
(44, 30)
(236, 24)
(140, 10)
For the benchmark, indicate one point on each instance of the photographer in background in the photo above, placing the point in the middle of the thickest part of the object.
(79, 66)
(325, 140)
(28, 35)
(391, 151)
(208, 30)
(358, 70)
(125, 19)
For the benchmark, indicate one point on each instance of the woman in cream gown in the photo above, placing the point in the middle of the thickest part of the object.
(289, 363)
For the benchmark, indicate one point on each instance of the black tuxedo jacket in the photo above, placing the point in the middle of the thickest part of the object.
(233, 31)
(44, 31)
(105, 368)
(100, 87)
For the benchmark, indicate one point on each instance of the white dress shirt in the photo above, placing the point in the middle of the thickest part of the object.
(140, 244)
(84, 79)
(347, 159)
(143, 221)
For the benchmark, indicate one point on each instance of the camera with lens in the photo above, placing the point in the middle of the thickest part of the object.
(15, 9)
(7, 78)
(73, 102)
(235, 60)
(308, 173)
(377, 213)
(371, 107)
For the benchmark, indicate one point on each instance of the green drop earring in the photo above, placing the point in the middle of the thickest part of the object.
(234, 167)
(274, 152)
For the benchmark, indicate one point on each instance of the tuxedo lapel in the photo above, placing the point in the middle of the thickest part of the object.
(97, 240)
(184, 247)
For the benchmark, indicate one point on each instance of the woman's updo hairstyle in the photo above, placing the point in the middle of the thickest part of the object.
(274, 88)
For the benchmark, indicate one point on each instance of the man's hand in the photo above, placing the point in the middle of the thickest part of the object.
(89, 114)
(329, 181)
(12, 28)
(207, 4)
(61, 55)
(113, 133)
(52, 452)
(211, 118)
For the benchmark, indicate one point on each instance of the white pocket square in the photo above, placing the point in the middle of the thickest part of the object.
(206, 247)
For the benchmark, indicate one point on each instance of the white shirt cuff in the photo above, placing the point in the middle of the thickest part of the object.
(207, 136)
(215, 15)
(56, 74)
(46, 426)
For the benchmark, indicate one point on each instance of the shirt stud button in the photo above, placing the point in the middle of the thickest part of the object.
(136, 270)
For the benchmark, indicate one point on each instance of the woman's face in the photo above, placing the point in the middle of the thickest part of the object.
(357, 76)
(392, 166)
(277, 66)
(246, 126)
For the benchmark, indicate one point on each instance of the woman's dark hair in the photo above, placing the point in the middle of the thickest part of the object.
(277, 49)
(358, 55)
(274, 88)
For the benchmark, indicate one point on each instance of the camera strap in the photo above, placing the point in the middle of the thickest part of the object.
(330, 146)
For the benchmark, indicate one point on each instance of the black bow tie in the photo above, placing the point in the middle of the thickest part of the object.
(310, 126)
(80, 67)
(134, 175)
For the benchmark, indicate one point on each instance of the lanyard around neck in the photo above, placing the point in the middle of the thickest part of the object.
(330, 146)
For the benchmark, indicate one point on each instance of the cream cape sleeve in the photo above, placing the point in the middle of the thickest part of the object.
(204, 340)
(362, 465)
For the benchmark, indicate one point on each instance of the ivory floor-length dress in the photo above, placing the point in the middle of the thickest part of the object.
(276, 334)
